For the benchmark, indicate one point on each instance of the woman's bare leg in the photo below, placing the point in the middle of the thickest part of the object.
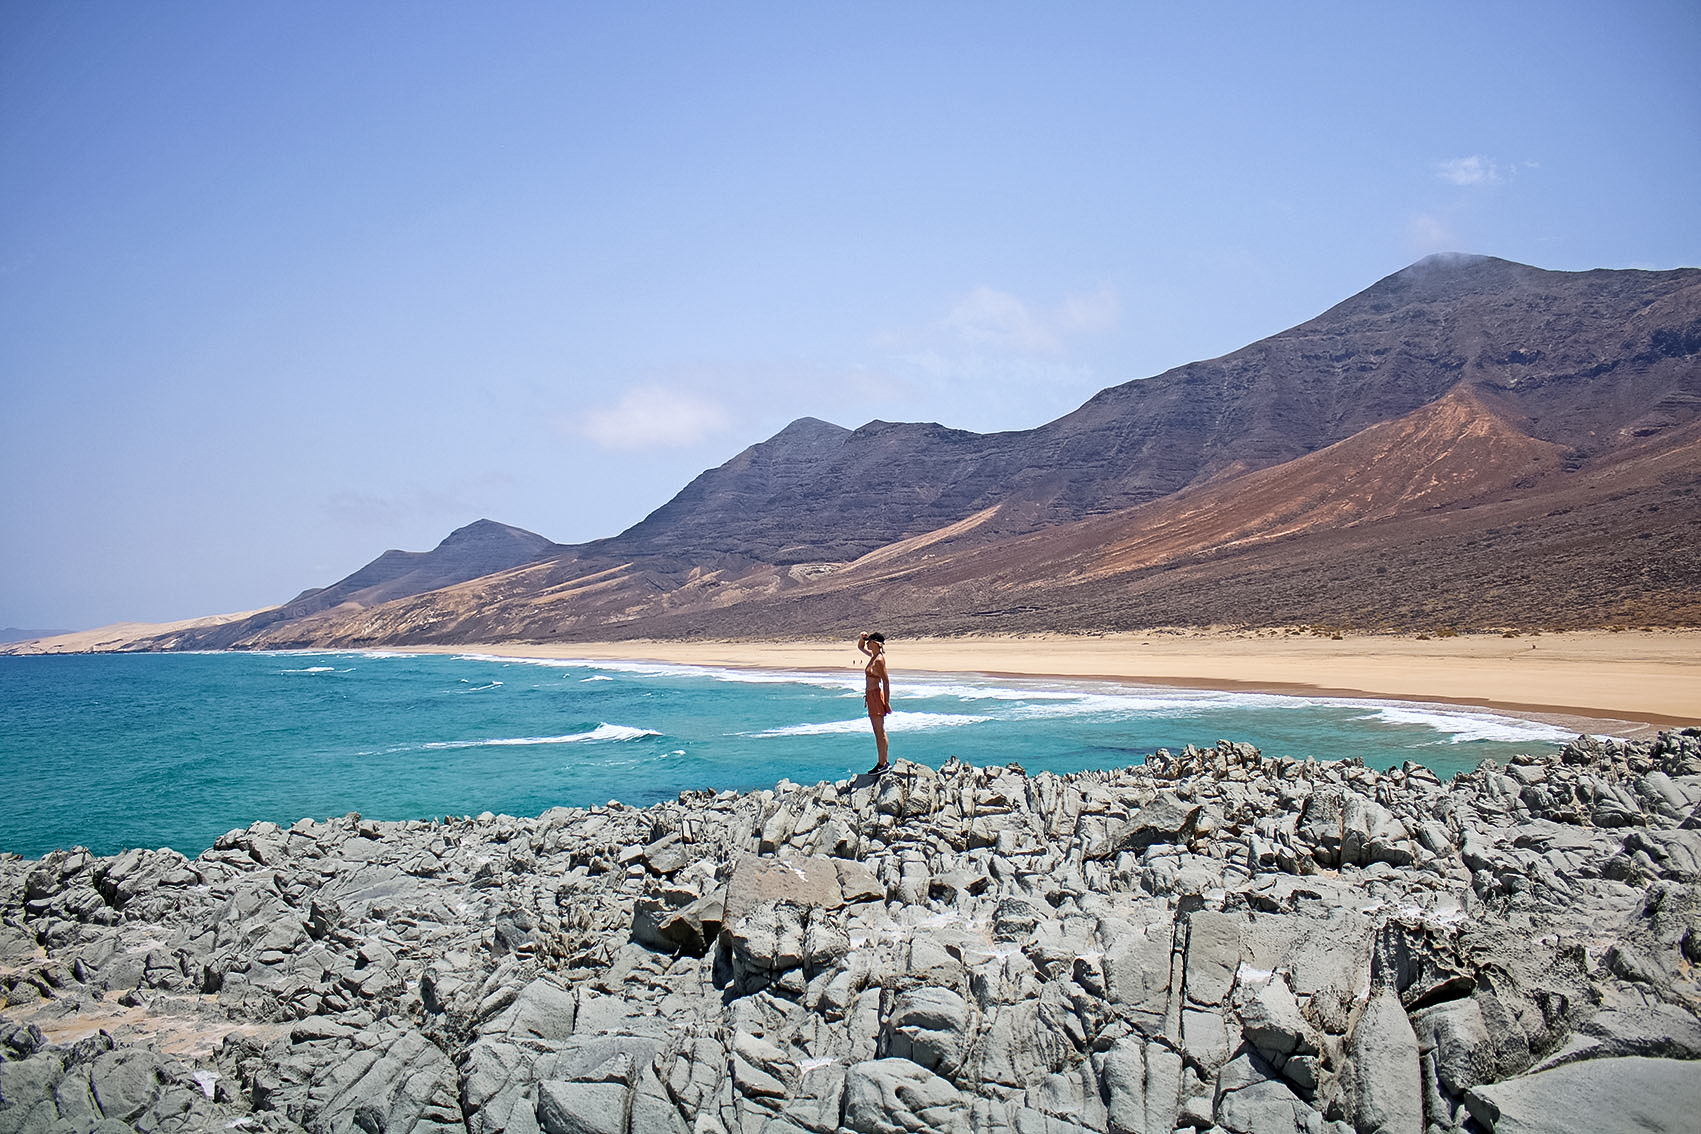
(878, 720)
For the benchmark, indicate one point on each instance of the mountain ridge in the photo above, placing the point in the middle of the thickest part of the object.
(1459, 390)
(1270, 401)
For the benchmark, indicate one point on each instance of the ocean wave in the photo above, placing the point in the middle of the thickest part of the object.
(1462, 727)
(896, 722)
(471, 688)
(603, 731)
(597, 677)
(1062, 699)
(968, 691)
(677, 669)
(312, 669)
(1133, 706)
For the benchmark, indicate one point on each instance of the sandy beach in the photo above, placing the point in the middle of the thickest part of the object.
(1626, 683)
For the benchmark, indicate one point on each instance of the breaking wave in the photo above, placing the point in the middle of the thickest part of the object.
(1462, 727)
(897, 722)
(601, 732)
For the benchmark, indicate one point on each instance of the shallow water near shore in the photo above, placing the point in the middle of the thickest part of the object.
(119, 750)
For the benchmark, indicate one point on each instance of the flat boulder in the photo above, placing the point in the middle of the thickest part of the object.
(18, 947)
(1458, 1035)
(582, 1108)
(857, 883)
(407, 1086)
(1213, 956)
(800, 881)
(1166, 819)
(1386, 1077)
(543, 1010)
(1632, 1095)
(126, 1082)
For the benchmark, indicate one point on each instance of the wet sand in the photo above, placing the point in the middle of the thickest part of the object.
(1627, 683)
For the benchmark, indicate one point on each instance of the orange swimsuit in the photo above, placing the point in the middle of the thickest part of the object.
(876, 703)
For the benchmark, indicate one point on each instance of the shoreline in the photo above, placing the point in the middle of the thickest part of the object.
(1627, 683)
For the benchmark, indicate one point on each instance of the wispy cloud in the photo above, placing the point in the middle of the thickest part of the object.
(990, 360)
(1473, 170)
(1479, 170)
(1429, 233)
(996, 320)
(997, 361)
(989, 321)
(652, 417)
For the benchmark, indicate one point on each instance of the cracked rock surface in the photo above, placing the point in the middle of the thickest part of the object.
(1210, 941)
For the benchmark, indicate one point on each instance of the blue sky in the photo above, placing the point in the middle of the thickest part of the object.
(282, 286)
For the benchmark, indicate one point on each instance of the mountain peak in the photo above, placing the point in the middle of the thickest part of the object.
(1436, 260)
(804, 434)
(490, 532)
(1445, 277)
(810, 426)
(1467, 270)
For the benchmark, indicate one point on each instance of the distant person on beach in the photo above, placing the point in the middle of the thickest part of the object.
(879, 691)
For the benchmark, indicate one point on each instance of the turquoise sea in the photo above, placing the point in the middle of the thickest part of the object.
(114, 751)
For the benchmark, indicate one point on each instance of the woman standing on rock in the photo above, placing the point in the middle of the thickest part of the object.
(878, 693)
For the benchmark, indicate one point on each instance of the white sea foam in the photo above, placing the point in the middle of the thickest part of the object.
(897, 722)
(1466, 726)
(672, 669)
(1091, 698)
(313, 669)
(601, 732)
(1132, 706)
(970, 692)
(1061, 699)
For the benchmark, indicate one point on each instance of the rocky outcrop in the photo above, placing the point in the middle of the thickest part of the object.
(1210, 941)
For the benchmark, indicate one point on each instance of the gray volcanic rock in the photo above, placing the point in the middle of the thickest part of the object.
(1606, 1095)
(1318, 947)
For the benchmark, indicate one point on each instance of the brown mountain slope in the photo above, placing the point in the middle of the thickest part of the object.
(1588, 360)
(1341, 456)
(1449, 516)
(1613, 547)
(1445, 453)
(470, 552)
